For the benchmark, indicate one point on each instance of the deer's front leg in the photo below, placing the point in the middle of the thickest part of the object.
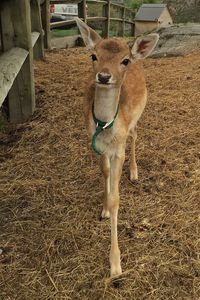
(116, 164)
(133, 164)
(105, 167)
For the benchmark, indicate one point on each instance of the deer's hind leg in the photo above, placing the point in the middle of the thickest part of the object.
(133, 164)
(105, 167)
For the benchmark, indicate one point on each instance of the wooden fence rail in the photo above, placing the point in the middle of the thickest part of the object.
(105, 18)
(24, 32)
(21, 36)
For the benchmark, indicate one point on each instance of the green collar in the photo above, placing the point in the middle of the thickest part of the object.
(100, 126)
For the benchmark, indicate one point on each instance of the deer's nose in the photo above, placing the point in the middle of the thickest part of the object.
(103, 77)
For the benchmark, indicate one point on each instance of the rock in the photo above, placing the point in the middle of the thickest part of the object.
(178, 40)
(64, 42)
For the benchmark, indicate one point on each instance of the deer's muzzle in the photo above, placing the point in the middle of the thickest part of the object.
(103, 78)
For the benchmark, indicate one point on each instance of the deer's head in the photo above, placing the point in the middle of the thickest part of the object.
(112, 57)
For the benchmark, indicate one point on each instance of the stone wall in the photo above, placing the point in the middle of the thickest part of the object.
(178, 39)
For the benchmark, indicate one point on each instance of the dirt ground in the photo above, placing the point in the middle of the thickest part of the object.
(54, 246)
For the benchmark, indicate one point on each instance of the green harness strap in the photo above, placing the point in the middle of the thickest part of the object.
(100, 126)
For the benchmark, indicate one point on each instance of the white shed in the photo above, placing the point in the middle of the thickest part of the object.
(152, 16)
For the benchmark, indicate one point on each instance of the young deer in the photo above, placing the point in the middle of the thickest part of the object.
(115, 99)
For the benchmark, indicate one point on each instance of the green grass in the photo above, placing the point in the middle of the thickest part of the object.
(64, 32)
(70, 32)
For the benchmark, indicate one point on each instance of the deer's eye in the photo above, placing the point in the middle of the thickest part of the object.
(94, 57)
(125, 62)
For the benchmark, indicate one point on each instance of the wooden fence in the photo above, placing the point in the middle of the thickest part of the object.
(21, 39)
(127, 15)
(24, 33)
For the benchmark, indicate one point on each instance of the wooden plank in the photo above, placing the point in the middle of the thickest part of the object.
(62, 23)
(133, 29)
(7, 30)
(36, 25)
(10, 65)
(89, 1)
(121, 20)
(122, 6)
(71, 22)
(82, 13)
(96, 2)
(24, 83)
(96, 18)
(45, 15)
(116, 19)
(34, 37)
(129, 22)
(64, 1)
(16, 32)
(106, 14)
(117, 5)
(122, 23)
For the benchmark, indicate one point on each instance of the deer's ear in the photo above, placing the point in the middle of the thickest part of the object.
(144, 46)
(89, 36)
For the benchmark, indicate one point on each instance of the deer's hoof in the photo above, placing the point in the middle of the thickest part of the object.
(133, 172)
(134, 176)
(115, 271)
(105, 214)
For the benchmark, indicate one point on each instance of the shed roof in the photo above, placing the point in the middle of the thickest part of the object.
(150, 12)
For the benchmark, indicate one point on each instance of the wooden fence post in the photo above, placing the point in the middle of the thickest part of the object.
(36, 24)
(16, 32)
(82, 13)
(7, 30)
(106, 13)
(122, 23)
(133, 29)
(45, 12)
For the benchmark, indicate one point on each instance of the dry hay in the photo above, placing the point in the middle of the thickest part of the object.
(54, 246)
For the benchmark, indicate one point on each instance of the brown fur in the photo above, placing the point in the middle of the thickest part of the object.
(112, 45)
(131, 104)
(133, 91)
(126, 90)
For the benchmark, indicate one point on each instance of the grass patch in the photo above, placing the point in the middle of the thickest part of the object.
(64, 32)
(70, 32)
